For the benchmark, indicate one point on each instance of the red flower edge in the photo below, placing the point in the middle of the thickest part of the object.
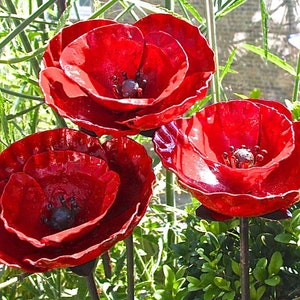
(224, 191)
(83, 244)
(82, 91)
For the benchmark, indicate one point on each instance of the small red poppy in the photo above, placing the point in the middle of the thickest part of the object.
(66, 199)
(238, 158)
(120, 79)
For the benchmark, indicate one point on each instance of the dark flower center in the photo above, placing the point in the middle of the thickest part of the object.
(129, 88)
(243, 157)
(62, 217)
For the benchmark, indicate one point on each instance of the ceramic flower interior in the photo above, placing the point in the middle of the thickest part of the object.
(238, 158)
(66, 199)
(120, 79)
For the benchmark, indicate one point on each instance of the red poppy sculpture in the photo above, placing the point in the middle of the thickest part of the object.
(66, 199)
(120, 79)
(239, 158)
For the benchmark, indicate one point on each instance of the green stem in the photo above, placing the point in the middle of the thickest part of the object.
(20, 95)
(23, 37)
(297, 81)
(169, 4)
(130, 267)
(60, 121)
(20, 28)
(212, 38)
(171, 202)
(59, 283)
(244, 257)
(170, 195)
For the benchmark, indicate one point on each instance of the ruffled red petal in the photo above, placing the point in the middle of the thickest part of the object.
(236, 123)
(286, 177)
(66, 36)
(98, 241)
(201, 57)
(118, 222)
(13, 250)
(169, 58)
(244, 205)
(275, 104)
(67, 98)
(173, 106)
(51, 175)
(134, 166)
(94, 58)
(191, 148)
(164, 65)
(13, 158)
(22, 208)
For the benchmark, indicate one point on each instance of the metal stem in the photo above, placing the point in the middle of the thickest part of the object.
(244, 257)
(92, 286)
(130, 267)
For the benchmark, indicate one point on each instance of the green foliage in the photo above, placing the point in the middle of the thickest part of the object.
(188, 259)
(274, 59)
(211, 250)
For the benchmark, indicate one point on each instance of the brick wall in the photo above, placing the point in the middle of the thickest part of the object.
(243, 25)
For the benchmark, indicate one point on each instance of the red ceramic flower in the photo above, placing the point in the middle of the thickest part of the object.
(119, 79)
(239, 158)
(65, 198)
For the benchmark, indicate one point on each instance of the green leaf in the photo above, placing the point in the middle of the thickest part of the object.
(222, 283)
(236, 267)
(227, 9)
(107, 5)
(211, 293)
(255, 94)
(273, 281)
(193, 280)
(260, 292)
(26, 22)
(275, 264)
(264, 23)
(15, 60)
(194, 284)
(272, 58)
(180, 273)
(169, 277)
(4, 121)
(229, 296)
(192, 10)
(262, 262)
(227, 68)
(285, 238)
(260, 274)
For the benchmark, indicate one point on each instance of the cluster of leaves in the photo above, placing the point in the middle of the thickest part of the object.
(210, 252)
(185, 258)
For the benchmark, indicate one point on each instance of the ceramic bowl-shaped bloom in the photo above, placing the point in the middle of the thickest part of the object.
(120, 79)
(65, 198)
(238, 158)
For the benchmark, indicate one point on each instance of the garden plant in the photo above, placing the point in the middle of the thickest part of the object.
(130, 168)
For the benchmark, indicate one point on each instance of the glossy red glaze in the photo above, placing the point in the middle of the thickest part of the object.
(111, 185)
(82, 68)
(193, 149)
